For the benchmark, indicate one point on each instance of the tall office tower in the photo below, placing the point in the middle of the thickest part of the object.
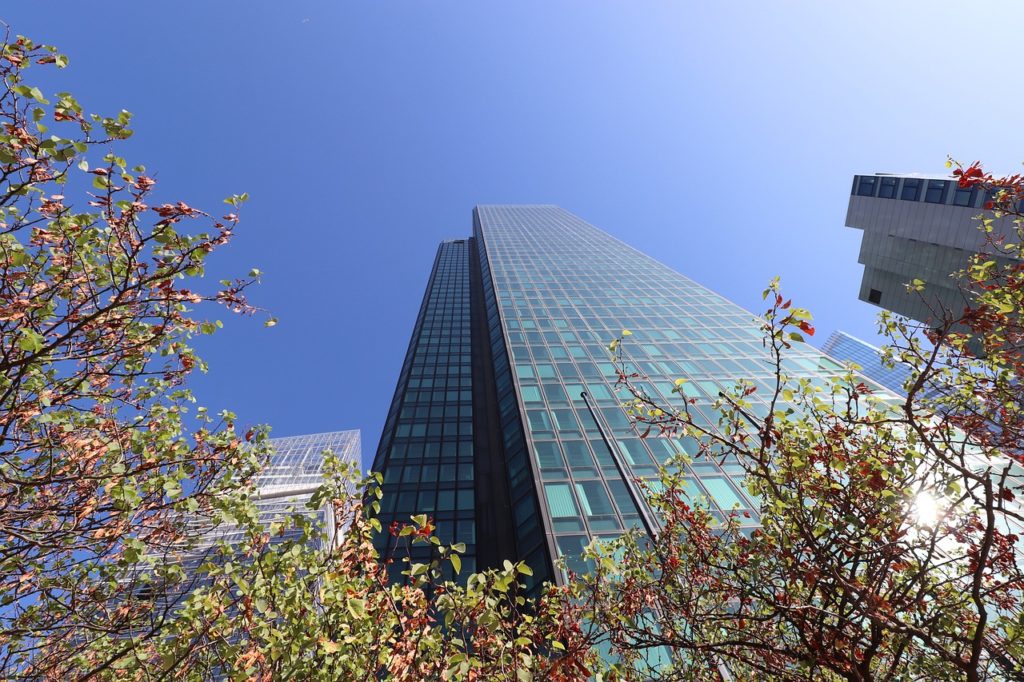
(916, 228)
(848, 348)
(489, 431)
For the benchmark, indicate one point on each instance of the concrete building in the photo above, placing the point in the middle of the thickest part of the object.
(916, 227)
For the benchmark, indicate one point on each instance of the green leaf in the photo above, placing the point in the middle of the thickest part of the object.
(172, 488)
(456, 563)
(30, 341)
(357, 607)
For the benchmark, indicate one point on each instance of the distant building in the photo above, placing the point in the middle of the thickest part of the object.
(295, 471)
(916, 227)
(292, 474)
(506, 427)
(848, 348)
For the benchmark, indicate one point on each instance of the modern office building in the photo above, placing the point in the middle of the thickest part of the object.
(916, 227)
(848, 348)
(505, 425)
(296, 469)
(292, 474)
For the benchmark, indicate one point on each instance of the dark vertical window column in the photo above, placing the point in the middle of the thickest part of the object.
(534, 542)
(494, 507)
(426, 453)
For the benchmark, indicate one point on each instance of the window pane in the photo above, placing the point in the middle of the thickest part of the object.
(722, 493)
(531, 394)
(936, 191)
(547, 454)
(887, 188)
(963, 197)
(911, 190)
(594, 499)
(560, 500)
(866, 187)
(524, 371)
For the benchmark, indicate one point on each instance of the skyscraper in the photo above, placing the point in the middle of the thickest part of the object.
(293, 472)
(849, 348)
(296, 469)
(505, 425)
(916, 227)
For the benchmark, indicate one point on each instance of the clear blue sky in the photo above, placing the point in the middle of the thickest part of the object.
(719, 137)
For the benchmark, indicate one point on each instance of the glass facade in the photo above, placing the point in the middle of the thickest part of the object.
(283, 488)
(291, 475)
(297, 461)
(427, 451)
(846, 348)
(555, 291)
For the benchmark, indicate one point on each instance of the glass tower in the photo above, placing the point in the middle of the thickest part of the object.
(849, 348)
(293, 472)
(506, 413)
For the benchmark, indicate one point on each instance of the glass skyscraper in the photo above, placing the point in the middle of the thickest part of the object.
(490, 431)
(293, 472)
(849, 348)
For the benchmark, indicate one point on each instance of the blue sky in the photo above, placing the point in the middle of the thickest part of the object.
(719, 137)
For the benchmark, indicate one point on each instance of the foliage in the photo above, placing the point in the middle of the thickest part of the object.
(888, 542)
(307, 608)
(99, 456)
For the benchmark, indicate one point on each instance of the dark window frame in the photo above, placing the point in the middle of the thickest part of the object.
(867, 185)
(933, 186)
(911, 186)
(888, 187)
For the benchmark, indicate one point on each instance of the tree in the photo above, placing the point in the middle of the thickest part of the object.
(99, 454)
(888, 543)
(303, 609)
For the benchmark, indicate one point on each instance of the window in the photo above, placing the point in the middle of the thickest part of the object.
(911, 189)
(547, 454)
(555, 394)
(887, 188)
(866, 186)
(578, 455)
(874, 296)
(963, 197)
(936, 192)
(531, 394)
(560, 500)
(723, 493)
